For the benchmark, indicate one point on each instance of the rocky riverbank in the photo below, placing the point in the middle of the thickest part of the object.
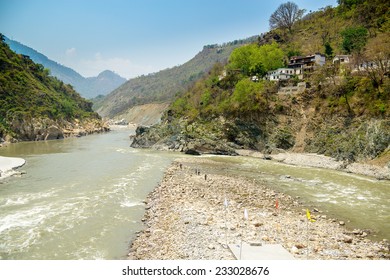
(321, 161)
(186, 218)
(38, 129)
(224, 137)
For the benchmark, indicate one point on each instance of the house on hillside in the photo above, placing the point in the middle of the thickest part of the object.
(308, 61)
(342, 62)
(341, 59)
(298, 66)
(280, 74)
(347, 61)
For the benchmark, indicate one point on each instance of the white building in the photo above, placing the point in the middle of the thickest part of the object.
(341, 59)
(282, 74)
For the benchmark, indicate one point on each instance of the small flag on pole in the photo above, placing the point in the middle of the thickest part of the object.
(246, 214)
(226, 203)
(309, 216)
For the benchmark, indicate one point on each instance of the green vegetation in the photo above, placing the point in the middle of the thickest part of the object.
(256, 60)
(165, 85)
(103, 84)
(343, 112)
(27, 91)
(354, 39)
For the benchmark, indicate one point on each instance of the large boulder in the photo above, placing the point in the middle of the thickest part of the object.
(53, 133)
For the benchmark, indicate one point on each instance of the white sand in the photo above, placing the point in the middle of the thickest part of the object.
(8, 165)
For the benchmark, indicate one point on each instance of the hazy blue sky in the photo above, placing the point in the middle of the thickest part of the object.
(133, 37)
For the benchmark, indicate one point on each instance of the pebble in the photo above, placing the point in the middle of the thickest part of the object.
(185, 219)
(348, 240)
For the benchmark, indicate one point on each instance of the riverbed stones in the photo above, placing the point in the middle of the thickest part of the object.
(194, 224)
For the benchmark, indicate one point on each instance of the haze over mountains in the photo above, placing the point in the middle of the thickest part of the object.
(162, 87)
(91, 87)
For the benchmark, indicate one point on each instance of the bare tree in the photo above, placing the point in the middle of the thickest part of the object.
(376, 59)
(285, 16)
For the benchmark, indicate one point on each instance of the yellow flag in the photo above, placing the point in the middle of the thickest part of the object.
(309, 216)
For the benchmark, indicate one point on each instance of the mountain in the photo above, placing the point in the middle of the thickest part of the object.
(340, 109)
(36, 106)
(162, 87)
(103, 84)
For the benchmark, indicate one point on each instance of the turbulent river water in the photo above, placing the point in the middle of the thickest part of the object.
(82, 198)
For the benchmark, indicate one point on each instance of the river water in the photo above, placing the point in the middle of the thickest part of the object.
(362, 202)
(82, 198)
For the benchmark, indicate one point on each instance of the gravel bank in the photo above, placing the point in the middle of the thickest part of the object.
(321, 161)
(186, 219)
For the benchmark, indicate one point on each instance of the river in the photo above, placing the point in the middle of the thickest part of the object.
(362, 202)
(82, 198)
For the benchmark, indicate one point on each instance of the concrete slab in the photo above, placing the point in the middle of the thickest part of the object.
(263, 252)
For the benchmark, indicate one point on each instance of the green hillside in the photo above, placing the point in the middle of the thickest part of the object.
(91, 87)
(343, 112)
(29, 94)
(164, 85)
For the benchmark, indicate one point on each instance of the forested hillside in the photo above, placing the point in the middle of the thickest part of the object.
(36, 106)
(342, 112)
(163, 86)
(90, 87)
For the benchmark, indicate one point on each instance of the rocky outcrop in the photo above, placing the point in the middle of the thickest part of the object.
(219, 136)
(360, 140)
(180, 138)
(53, 133)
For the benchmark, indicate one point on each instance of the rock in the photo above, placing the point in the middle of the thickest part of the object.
(184, 204)
(294, 250)
(342, 223)
(192, 152)
(53, 133)
(257, 224)
(348, 240)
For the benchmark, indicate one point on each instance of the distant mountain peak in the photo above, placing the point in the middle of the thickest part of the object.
(103, 84)
(110, 74)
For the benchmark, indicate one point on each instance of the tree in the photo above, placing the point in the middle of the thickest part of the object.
(255, 60)
(354, 39)
(376, 59)
(285, 16)
(328, 50)
(349, 3)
